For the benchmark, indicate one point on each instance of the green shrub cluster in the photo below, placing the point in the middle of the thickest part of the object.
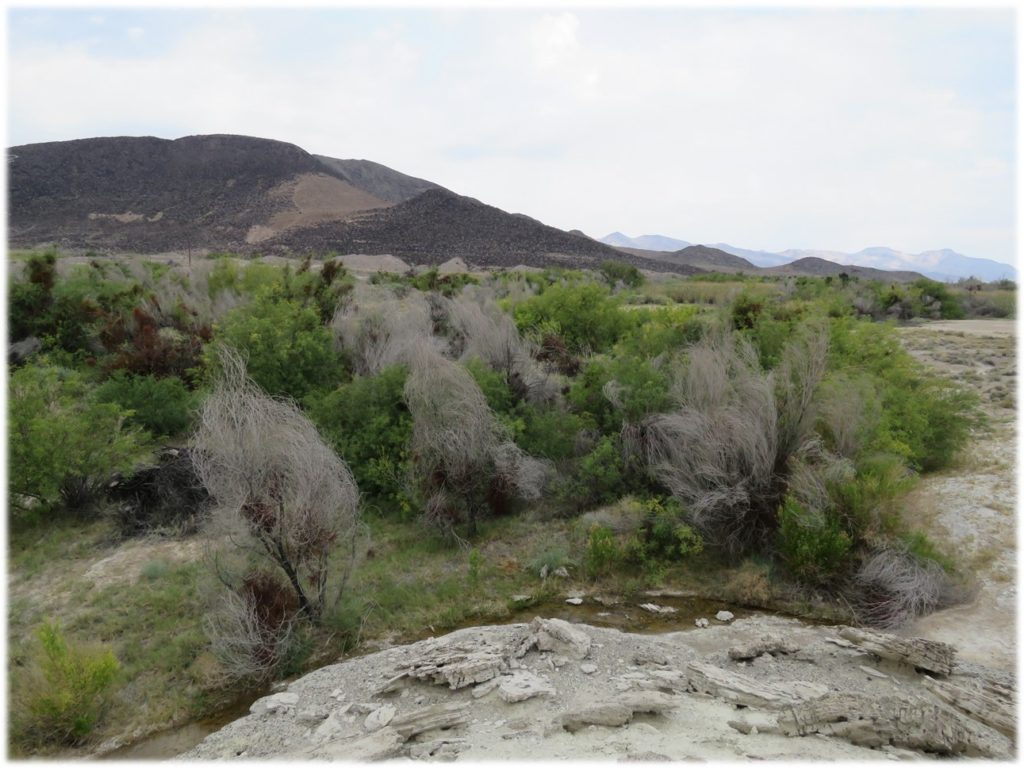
(63, 442)
(368, 424)
(162, 406)
(289, 352)
(583, 314)
(815, 548)
(65, 694)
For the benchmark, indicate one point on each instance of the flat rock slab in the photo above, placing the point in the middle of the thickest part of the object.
(618, 711)
(753, 648)
(522, 685)
(919, 653)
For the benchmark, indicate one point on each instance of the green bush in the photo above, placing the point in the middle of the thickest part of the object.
(602, 553)
(66, 694)
(29, 300)
(289, 352)
(620, 272)
(814, 548)
(368, 423)
(661, 330)
(639, 389)
(925, 418)
(920, 546)
(584, 315)
(163, 406)
(62, 443)
(663, 537)
(548, 432)
(869, 501)
(597, 478)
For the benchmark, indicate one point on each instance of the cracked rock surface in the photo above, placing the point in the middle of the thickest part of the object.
(554, 690)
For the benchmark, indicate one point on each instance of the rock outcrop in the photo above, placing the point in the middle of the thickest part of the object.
(550, 689)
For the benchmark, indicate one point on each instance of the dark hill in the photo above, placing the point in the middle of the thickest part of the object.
(439, 225)
(248, 195)
(147, 194)
(816, 267)
(710, 259)
(377, 179)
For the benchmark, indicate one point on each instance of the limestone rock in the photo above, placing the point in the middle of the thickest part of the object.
(873, 721)
(917, 652)
(274, 703)
(655, 608)
(616, 712)
(379, 717)
(725, 616)
(764, 644)
(746, 691)
(561, 637)
(522, 685)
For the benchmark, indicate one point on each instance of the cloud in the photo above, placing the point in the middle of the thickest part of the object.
(553, 39)
(768, 130)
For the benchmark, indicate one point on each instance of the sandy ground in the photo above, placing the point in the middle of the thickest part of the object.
(971, 508)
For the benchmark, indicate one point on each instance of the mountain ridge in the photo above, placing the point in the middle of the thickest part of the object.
(943, 264)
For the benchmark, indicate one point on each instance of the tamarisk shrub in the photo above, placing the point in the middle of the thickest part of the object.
(729, 448)
(279, 492)
(462, 455)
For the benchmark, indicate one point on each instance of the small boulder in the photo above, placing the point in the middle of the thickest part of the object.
(702, 623)
(588, 668)
(575, 601)
(725, 616)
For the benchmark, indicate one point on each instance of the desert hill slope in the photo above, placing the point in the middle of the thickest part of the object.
(251, 195)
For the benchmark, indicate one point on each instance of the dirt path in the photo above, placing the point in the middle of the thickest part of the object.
(971, 507)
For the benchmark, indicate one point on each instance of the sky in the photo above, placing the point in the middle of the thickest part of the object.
(764, 128)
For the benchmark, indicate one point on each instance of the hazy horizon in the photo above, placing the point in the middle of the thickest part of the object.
(765, 129)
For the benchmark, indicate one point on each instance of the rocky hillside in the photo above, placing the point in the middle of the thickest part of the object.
(249, 195)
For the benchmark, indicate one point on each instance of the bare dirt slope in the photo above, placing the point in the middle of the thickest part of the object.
(971, 508)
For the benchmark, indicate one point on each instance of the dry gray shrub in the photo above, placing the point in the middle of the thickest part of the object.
(728, 451)
(481, 329)
(180, 286)
(278, 490)
(247, 646)
(379, 329)
(892, 587)
(848, 412)
(461, 451)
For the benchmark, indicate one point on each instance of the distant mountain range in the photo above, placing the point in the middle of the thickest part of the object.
(945, 264)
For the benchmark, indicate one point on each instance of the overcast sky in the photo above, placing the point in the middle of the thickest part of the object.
(765, 129)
